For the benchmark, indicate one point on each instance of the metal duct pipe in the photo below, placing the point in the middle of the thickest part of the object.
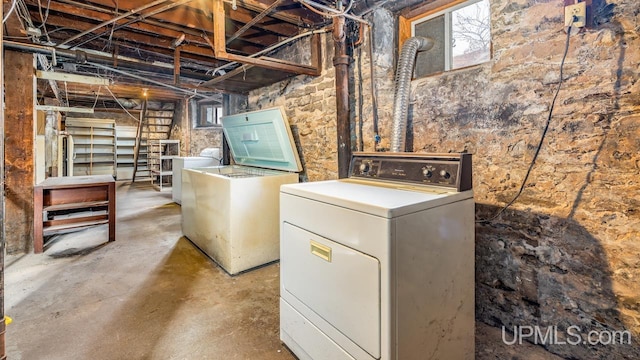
(403, 88)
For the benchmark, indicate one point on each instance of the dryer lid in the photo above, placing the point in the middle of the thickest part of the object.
(262, 139)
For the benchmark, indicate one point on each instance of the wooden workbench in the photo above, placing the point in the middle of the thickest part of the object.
(62, 204)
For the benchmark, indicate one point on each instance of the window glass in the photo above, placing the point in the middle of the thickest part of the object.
(461, 34)
(471, 35)
(209, 115)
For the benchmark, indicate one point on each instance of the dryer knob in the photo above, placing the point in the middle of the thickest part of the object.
(364, 167)
(427, 173)
(445, 174)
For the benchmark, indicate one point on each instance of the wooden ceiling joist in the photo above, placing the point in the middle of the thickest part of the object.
(219, 42)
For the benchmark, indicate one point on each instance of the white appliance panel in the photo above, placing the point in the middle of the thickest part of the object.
(418, 233)
(180, 163)
(379, 199)
(306, 340)
(434, 272)
(233, 220)
(340, 284)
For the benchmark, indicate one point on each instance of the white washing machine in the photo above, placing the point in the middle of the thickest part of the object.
(380, 265)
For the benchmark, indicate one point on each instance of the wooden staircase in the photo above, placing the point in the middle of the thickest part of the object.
(154, 124)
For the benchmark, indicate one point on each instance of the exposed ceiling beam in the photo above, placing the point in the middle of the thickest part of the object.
(60, 76)
(253, 21)
(269, 63)
(59, 16)
(137, 19)
(64, 109)
(103, 24)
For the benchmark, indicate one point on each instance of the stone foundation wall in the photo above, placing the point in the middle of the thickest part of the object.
(193, 139)
(310, 105)
(567, 252)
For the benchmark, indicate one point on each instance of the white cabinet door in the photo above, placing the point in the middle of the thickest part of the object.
(338, 283)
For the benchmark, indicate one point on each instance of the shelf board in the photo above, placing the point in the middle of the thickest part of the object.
(50, 230)
(71, 206)
(162, 173)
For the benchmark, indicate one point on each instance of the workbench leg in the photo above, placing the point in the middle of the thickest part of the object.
(38, 242)
(112, 211)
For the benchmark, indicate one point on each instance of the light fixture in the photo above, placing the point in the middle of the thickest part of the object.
(145, 92)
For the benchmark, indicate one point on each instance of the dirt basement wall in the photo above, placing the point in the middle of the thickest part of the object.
(567, 253)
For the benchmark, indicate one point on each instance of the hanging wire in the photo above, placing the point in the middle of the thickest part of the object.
(13, 7)
(44, 18)
(97, 96)
(544, 132)
(312, 6)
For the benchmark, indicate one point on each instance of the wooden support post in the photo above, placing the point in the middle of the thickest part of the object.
(19, 151)
(219, 43)
(3, 353)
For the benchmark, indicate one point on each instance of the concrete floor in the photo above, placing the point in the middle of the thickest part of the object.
(153, 295)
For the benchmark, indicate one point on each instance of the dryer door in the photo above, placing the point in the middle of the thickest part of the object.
(336, 282)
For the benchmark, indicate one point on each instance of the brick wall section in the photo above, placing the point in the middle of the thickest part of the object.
(568, 251)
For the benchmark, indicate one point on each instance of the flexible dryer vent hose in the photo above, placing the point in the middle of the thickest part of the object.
(403, 88)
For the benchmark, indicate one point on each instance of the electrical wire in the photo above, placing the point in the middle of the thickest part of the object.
(13, 7)
(97, 96)
(311, 7)
(544, 132)
(374, 96)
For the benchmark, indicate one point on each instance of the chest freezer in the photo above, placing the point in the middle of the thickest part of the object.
(208, 157)
(232, 212)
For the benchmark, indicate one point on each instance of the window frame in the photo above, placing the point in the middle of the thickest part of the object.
(409, 19)
(201, 122)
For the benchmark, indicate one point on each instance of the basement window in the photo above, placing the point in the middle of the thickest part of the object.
(461, 32)
(209, 114)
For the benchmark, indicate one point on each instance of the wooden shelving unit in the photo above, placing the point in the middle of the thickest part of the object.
(94, 146)
(125, 147)
(69, 203)
(161, 154)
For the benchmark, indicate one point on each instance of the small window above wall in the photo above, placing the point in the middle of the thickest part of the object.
(209, 114)
(461, 31)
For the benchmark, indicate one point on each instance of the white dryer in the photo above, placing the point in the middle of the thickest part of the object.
(380, 265)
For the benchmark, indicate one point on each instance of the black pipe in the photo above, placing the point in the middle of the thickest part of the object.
(341, 65)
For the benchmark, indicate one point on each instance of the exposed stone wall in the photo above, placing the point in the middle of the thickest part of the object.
(193, 139)
(567, 252)
(310, 106)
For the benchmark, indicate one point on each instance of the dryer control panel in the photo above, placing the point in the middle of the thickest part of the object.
(443, 170)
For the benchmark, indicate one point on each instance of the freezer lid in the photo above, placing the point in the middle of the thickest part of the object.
(262, 139)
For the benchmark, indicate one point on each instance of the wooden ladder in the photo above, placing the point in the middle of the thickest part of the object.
(154, 124)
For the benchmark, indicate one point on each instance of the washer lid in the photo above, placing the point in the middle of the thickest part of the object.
(262, 139)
